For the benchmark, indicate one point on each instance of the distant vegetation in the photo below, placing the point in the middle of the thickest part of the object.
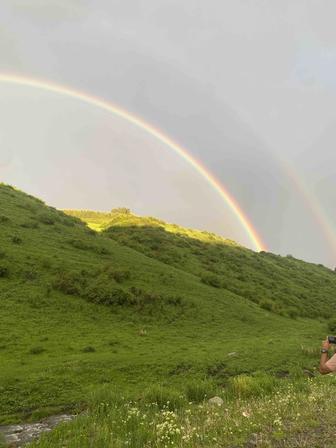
(282, 285)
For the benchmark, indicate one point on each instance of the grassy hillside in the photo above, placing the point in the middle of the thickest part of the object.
(80, 310)
(283, 285)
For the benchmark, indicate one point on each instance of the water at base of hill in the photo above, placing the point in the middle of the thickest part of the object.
(17, 436)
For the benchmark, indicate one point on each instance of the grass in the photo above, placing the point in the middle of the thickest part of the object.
(81, 311)
(299, 414)
(283, 285)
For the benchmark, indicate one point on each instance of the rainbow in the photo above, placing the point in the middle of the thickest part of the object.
(253, 236)
(312, 203)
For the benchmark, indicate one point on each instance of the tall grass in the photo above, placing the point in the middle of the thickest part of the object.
(287, 416)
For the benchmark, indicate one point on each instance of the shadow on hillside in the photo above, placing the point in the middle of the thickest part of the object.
(283, 285)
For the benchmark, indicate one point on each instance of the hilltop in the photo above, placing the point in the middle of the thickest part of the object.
(136, 305)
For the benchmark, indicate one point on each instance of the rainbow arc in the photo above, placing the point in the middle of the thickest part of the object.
(251, 232)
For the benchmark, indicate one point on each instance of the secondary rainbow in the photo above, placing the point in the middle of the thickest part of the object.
(182, 152)
(312, 203)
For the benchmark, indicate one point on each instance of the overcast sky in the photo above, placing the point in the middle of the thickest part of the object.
(247, 86)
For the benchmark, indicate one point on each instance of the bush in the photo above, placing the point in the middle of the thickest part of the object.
(218, 370)
(267, 304)
(36, 350)
(3, 219)
(174, 300)
(120, 276)
(106, 295)
(29, 225)
(332, 325)
(211, 280)
(79, 244)
(16, 239)
(4, 271)
(293, 313)
(47, 219)
(46, 263)
(69, 283)
(101, 250)
(121, 211)
(88, 349)
(67, 221)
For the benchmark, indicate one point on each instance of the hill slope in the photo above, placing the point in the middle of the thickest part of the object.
(284, 285)
(80, 309)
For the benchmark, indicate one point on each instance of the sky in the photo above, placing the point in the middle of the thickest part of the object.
(248, 87)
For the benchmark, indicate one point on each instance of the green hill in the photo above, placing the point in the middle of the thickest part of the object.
(141, 303)
(283, 285)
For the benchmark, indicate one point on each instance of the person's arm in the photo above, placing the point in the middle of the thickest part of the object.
(324, 369)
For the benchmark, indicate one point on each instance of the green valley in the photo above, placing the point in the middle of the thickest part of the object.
(107, 307)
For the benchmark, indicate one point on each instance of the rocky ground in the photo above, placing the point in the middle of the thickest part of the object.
(17, 436)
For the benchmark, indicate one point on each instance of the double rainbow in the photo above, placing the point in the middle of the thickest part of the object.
(253, 236)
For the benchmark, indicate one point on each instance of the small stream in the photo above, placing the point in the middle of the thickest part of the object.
(19, 435)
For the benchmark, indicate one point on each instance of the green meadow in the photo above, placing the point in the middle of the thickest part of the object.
(133, 324)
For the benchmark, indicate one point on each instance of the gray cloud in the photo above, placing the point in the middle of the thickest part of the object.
(240, 84)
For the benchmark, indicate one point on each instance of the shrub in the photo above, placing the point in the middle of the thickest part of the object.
(79, 244)
(67, 221)
(29, 225)
(88, 349)
(267, 304)
(16, 239)
(4, 271)
(3, 219)
(106, 295)
(292, 313)
(37, 301)
(332, 325)
(174, 300)
(143, 298)
(120, 275)
(47, 219)
(101, 250)
(218, 370)
(121, 211)
(113, 343)
(36, 350)
(68, 283)
(46, 263)
(211, 280)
